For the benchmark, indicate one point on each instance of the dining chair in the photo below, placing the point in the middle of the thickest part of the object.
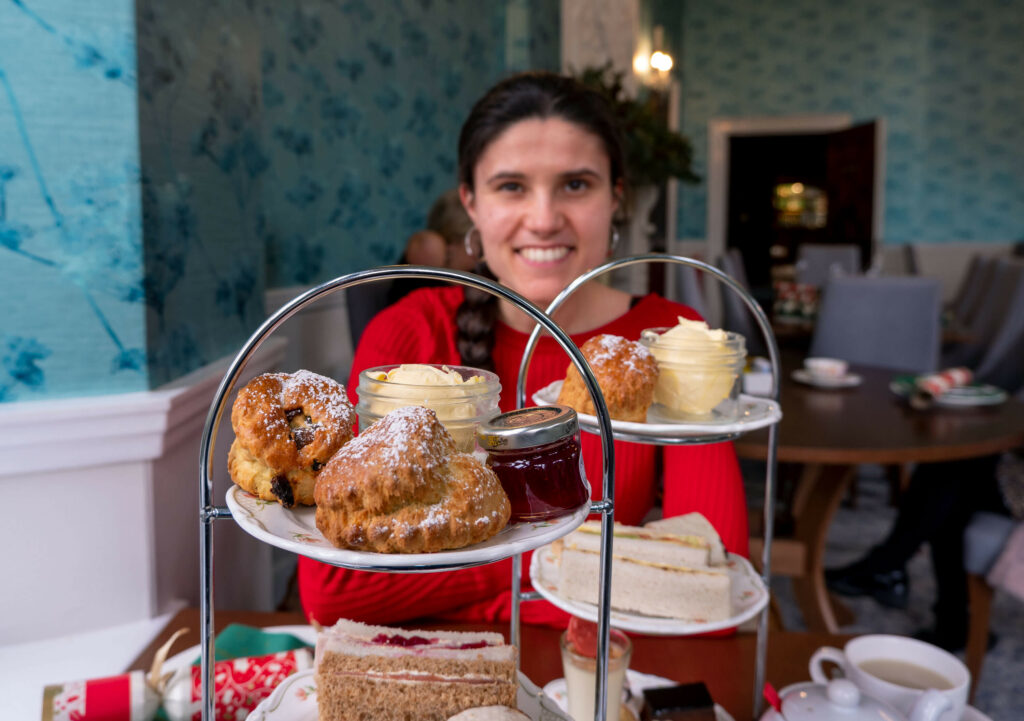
(1001, 364)
(970, 287)
(363, 302)
(981, 284)
(735, 314)
(984, 538)
(817, 262)
(688, 288)
(1000, 294)
(887, 322)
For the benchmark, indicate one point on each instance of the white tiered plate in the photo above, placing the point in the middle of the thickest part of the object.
(802, 375)
(749, 596)
(295, 700)
(632, 697)
(754, 413)
(294, 529)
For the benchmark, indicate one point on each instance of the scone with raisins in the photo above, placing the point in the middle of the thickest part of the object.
(287, 426)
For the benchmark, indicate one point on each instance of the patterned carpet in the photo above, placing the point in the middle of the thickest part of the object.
(854, 530)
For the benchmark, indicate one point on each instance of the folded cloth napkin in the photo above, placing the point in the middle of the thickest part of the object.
(1007, 572)
(238, 641)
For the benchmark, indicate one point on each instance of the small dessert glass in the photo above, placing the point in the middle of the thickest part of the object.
(460, 407)
(581, 676)
(697, 382)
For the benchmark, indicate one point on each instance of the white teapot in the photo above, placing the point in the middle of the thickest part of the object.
(841, 700)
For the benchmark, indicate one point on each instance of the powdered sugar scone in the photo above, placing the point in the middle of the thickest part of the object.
(287, 426)
(626, 372)
(402, 487)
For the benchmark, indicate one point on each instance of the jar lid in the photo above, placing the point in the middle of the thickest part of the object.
(527, 427)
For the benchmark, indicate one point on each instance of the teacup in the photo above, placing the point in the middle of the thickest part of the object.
(826, 368)
(898, 670)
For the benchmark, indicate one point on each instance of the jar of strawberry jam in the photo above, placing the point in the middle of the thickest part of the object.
(535, 453)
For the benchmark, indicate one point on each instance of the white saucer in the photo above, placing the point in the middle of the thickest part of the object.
(970, 713)
(632, 695)
(849, 380)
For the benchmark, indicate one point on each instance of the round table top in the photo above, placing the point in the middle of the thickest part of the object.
(870, 424)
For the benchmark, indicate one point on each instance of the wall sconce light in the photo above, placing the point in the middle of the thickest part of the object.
(652, 65)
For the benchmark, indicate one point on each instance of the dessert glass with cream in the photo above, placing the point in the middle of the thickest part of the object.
(699, 371)
(579, 663)
(462, 397)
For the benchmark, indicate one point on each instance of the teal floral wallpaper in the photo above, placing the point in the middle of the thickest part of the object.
(162, 164)
(202, 160)
(362, 106)
(71, 255)
(945, 75)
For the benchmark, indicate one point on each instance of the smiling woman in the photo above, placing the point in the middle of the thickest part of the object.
(541, 175)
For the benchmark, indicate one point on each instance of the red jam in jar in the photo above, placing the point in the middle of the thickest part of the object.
(535, 452)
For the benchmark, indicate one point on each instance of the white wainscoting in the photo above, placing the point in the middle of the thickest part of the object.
(102, 509)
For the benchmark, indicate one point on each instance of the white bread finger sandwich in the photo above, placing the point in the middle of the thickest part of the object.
(654, 573)
(694, 524)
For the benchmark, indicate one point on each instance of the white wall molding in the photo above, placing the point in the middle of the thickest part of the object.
(51, 435)
(108, 519)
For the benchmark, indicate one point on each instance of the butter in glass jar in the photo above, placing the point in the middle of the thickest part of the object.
(460, 396)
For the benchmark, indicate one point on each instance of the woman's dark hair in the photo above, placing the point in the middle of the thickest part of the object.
(520, 97)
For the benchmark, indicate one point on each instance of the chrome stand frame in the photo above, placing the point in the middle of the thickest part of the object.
(208, 513)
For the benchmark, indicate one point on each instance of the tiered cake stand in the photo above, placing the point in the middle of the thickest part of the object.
(755, 413)
(295, 530)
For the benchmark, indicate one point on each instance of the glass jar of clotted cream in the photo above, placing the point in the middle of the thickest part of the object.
(535, 452)
(461, 396)
(700, 371)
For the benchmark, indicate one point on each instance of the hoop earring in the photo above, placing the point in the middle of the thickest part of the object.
(615, 239)
(468, 241)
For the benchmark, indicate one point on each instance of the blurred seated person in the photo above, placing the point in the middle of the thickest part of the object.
(935, 509)
(442, 244)
(542, 174)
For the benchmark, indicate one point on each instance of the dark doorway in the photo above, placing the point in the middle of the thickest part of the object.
(785, 190)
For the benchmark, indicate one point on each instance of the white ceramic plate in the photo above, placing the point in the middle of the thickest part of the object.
(295, 700)
(633, 696)
(294, 529)
(754, 413)
(970, 713)
(973, 714)
(749, 596)
(969, 396)
(847, 381)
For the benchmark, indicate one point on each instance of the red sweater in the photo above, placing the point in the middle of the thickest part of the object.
(421, 329)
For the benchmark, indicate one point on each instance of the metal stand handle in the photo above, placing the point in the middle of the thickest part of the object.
(208, 513)
(607, 504)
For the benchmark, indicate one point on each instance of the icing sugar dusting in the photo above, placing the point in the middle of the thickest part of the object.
(606, 348)
(410, 435)
(328, 395)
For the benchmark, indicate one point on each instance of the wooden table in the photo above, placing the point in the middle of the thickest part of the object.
(726, 665)
(832, 431)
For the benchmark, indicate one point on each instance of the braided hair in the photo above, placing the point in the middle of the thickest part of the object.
(526, 95)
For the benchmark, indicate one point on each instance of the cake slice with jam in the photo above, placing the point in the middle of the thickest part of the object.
(376, 673)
